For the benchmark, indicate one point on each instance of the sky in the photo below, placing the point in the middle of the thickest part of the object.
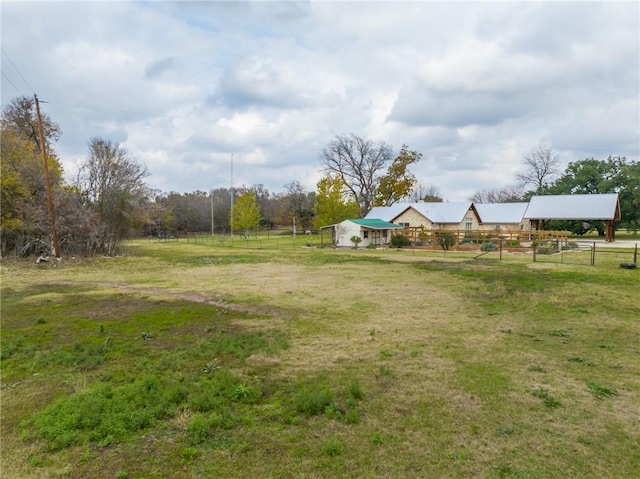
(208, 94)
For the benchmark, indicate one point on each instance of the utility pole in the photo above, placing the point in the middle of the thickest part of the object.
(212, 223)
(231, 222)
(47, 181)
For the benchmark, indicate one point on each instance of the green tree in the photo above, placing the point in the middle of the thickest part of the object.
(398, 182)
(246, 214)
(332, 204)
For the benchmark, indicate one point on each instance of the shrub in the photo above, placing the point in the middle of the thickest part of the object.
(446, 240)
(488, 246)
(400, 241)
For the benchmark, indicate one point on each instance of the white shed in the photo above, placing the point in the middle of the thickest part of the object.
(371, 231)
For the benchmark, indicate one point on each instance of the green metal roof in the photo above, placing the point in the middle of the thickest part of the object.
(375, 224)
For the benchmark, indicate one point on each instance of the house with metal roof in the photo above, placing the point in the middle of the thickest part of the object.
(603, 208)
(430, 216)
(371, 231)
(503, 216)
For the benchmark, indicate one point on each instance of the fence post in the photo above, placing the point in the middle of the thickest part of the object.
(500, 249)
(593, 254)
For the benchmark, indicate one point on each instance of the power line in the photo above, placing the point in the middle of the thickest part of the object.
(7, 78)
(16, 68)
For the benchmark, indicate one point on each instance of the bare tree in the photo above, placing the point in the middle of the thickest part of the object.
(507, 194)
(112, 185)
(300, 204)
(359, 163)
(425, 192)
(541, 166)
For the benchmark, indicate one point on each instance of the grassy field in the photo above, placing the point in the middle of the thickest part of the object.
(198, 360)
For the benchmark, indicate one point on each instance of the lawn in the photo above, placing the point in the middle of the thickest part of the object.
(206, 359)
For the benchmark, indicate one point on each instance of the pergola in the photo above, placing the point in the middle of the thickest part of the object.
(588, 208)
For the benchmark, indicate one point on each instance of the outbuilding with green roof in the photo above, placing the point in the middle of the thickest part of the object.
(371, 231)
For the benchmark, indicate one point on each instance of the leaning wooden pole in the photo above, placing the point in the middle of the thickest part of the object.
(47, 181)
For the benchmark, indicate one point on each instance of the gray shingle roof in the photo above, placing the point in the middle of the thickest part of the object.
(574, 207)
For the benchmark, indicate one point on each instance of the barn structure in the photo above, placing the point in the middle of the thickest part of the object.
(588, 208)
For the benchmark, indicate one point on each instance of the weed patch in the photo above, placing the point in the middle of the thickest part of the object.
(600, 391)
(548, 400)
(102, 414)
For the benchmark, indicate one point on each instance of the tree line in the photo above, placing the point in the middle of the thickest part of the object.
(109, 201)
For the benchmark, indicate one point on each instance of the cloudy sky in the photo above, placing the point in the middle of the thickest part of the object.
(473, 86)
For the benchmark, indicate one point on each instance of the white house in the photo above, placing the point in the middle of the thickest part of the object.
(371, 231)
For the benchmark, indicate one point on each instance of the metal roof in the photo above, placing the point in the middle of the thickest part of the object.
(443, 212)
(387, 213)
(436, 212)
(574, 207)
(502, 213)
(375, 224)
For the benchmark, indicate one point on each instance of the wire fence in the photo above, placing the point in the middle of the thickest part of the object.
(555, 248)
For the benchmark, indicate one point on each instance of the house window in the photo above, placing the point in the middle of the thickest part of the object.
(468, 224)
(404, 225)
(365, 234)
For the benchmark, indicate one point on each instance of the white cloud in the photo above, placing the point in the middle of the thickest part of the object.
(473, 86)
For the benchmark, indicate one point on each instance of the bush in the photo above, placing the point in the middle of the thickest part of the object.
(446, 240)
(400, 241)
(488, 246)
